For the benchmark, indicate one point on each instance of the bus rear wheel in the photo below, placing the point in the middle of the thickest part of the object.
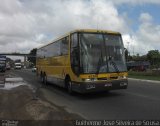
(45, 79)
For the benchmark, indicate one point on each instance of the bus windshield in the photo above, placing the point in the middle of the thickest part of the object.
(101, 53)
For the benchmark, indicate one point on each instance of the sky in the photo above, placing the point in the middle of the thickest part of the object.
(28, 24)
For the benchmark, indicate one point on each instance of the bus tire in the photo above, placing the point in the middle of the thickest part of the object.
(69, 87)
(45, 79)
(68, 84)
(41, 77)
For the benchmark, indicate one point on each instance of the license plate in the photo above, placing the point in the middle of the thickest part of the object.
(108, 85)
(123, 84)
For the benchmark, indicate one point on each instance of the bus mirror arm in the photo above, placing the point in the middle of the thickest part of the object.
(110, 58)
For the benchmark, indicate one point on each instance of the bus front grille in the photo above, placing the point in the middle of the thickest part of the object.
(114, 77)
(104, 78)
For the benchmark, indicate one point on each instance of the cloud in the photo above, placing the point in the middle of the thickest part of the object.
(9, 7)
(149, 33)
(135, 2)
(27, 24)
(145, 17)
(146, 38)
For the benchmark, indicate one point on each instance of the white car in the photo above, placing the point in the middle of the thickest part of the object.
(17, 66)
(34, 69)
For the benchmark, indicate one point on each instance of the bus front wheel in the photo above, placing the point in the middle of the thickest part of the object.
(69, 86)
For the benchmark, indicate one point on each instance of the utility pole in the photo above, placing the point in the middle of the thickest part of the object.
(128, 48)
(133, 50)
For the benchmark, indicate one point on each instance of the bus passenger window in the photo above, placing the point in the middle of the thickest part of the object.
(64, 46)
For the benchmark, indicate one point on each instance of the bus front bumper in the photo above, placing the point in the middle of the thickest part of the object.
(86, 87)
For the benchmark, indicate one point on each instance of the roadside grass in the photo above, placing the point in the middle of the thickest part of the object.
(144, 75)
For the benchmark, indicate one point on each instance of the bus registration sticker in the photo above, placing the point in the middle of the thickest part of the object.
(108, 85)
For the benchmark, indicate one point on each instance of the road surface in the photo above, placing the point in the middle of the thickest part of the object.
(140, 101)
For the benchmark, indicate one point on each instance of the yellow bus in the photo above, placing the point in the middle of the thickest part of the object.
(84, 60)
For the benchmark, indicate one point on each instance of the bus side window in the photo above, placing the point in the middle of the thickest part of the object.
(64, 46)
(75, 53)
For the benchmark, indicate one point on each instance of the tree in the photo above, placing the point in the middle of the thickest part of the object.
(137, 57)
(126, 54)
(154, 57)
(32, 57)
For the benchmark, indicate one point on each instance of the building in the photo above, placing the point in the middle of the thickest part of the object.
(138, 65)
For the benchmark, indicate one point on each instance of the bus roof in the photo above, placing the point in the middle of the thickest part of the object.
(81, 30)
(95, 31)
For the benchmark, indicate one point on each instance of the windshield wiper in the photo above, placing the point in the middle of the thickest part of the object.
(85, 51)
(99, 63)
(115, 66)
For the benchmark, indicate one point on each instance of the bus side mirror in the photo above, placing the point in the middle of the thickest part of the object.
(110, 58)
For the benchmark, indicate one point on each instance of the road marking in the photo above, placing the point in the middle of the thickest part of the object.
(144, 96)
(141, 80)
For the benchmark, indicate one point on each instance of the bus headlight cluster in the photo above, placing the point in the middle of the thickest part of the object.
(122, 77)
(90, 79)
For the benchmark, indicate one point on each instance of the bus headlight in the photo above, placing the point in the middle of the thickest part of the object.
(89, 79)
(122, 77)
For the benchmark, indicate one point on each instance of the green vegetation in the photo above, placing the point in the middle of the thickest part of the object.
(33, 53)
(153, 56)
(150, 75)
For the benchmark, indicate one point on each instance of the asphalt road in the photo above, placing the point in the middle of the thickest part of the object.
(140, 101)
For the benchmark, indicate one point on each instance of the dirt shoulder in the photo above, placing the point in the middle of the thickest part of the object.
(19, 104)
